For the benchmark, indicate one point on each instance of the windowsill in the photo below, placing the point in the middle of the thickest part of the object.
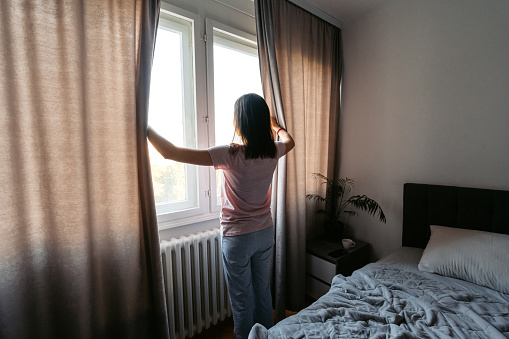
(163, 225)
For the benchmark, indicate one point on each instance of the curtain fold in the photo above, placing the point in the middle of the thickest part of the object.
(301, 65)
(79, 255)
(146, 36)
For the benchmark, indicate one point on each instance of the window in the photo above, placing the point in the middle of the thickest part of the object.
(233, 71)
(195, 82)
(172, 110)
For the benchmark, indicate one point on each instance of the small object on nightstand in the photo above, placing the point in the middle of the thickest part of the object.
(348, 243)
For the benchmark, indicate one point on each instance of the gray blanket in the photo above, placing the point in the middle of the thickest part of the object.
(383, 301)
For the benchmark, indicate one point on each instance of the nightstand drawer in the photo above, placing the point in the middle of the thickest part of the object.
(315, 288)
(320, 268)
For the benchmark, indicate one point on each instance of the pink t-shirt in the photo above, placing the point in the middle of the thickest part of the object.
(245, 191)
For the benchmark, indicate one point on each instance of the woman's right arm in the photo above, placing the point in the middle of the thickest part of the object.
(180, 154)
(285, 137)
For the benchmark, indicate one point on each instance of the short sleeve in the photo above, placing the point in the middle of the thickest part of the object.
(220, 156)
(280, 149)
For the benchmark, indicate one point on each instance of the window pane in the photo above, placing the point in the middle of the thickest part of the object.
(166, 87)
(166, 97)
(236, 72)
(174, 183)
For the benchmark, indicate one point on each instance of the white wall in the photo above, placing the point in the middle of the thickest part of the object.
(425, 99)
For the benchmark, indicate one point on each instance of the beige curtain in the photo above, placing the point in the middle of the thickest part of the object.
(301, 66)
(79, 248)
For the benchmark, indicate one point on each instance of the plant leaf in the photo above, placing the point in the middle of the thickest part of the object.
(323, 177)
(315, 197)
(364, 203)
(346, 185)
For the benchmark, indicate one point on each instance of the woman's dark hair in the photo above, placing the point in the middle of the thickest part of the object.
(251, 119)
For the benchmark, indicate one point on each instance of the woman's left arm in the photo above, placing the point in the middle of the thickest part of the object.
(180, 154)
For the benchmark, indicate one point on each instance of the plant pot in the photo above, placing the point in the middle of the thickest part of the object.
(334, 230)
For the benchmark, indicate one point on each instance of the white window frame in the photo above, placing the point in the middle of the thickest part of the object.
(203, 79)
(238, 40)
(195, 97)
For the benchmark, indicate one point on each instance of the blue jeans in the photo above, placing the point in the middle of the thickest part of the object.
(247, 263)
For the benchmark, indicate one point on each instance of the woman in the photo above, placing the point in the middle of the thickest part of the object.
(246, 221)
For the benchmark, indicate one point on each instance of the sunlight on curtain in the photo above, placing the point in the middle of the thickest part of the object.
(77, 253)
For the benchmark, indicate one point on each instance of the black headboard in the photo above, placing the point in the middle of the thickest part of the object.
(461, 207)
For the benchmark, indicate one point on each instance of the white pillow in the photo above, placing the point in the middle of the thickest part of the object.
(475, 256)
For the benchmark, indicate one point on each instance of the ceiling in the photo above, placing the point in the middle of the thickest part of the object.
(345, 10)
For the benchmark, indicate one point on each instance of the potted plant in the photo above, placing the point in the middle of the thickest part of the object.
(337, 204)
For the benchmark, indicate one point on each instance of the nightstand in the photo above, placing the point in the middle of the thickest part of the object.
(321, 267)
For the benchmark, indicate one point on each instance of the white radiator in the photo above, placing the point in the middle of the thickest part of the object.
(196, 293)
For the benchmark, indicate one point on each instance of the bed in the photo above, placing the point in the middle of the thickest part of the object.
(450, 279)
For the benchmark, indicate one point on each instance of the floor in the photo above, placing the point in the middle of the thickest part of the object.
(223, 330)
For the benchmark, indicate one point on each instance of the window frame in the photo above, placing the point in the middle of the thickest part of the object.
(184, 28)
(198, 98)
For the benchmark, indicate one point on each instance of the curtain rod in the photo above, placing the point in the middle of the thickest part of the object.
(318, 12)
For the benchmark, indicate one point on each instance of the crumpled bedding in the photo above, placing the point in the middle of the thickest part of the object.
(385, 301)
